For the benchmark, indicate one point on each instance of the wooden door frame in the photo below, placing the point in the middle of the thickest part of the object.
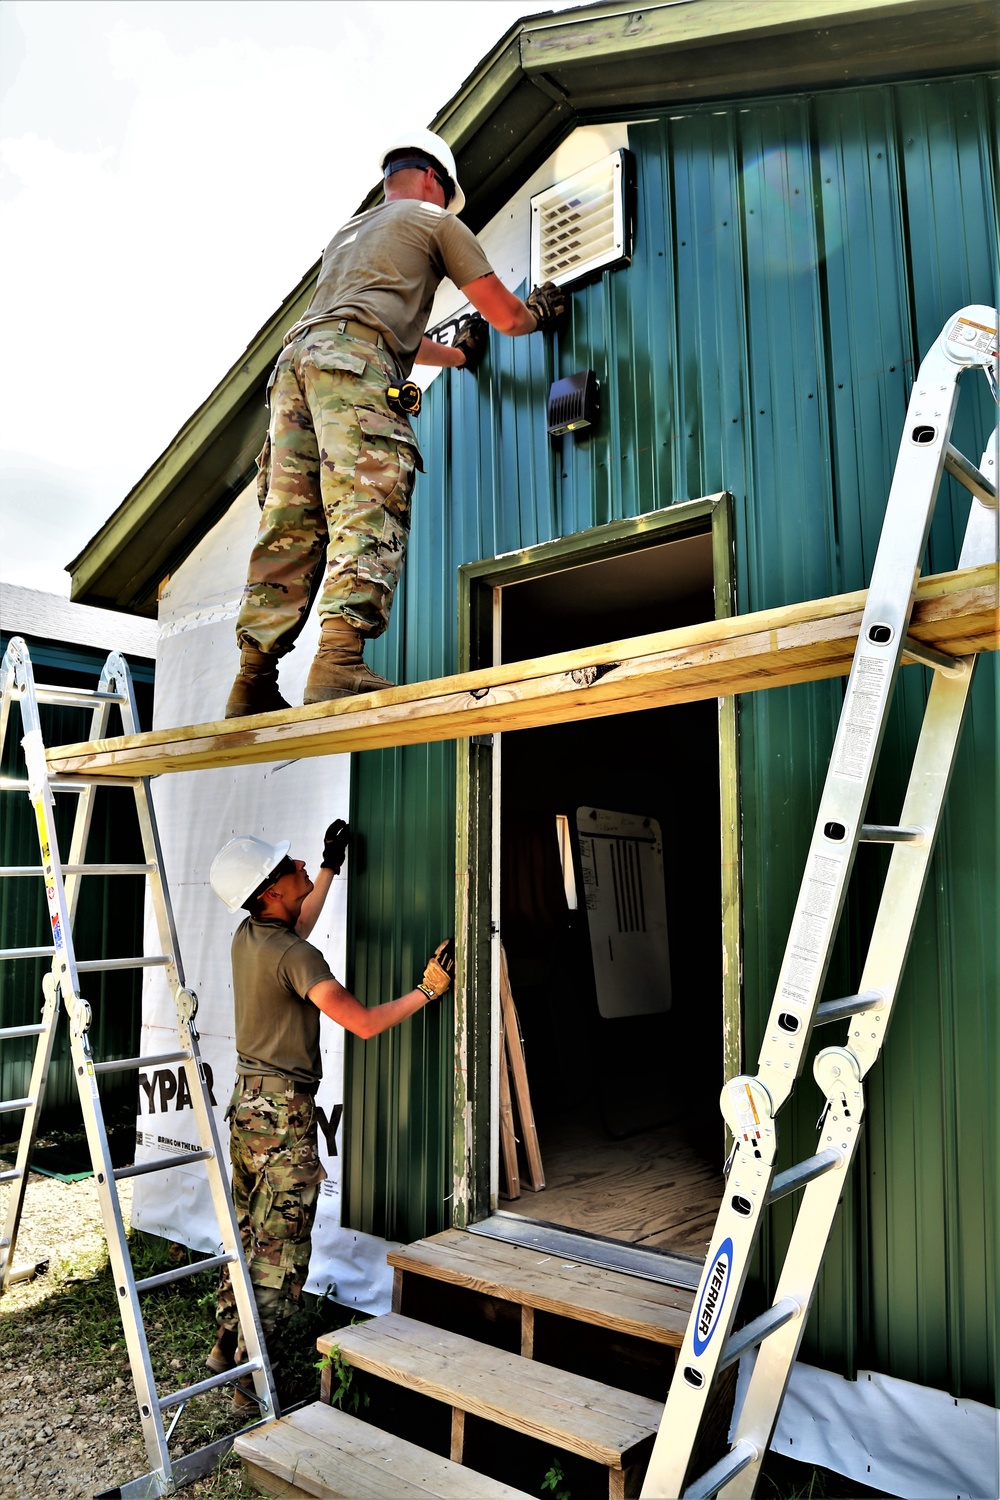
(476, 1022)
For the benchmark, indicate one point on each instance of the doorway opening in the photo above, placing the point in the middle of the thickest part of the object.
(609, 884)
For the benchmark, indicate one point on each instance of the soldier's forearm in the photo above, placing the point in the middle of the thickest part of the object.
(314, 902)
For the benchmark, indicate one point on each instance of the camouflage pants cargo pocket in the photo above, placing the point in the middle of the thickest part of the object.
(342, 472)
(276, 1177)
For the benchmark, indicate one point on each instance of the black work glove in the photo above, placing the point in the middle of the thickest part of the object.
(439, 970)
(335, 841)
(473, 338)
(548, 303)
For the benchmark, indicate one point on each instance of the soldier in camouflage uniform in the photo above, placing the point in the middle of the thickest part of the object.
(337, 470)
(281, 983)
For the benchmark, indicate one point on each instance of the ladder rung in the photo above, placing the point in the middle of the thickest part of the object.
(10, 1176)
(248, 1367)
(974, 480)
(887, 833)
(6, 871)
(120, 1064)
(92, 965)
(736, 1460)
(215, 1264)
(804, 1171)
(758, 1329)
(99, 965)
(9, 1032)
(7, 1105)
(929, 656)
(180, 1160)
(68, 696)
(850, 1005)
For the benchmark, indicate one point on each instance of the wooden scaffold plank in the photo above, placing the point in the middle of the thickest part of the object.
(954, 612)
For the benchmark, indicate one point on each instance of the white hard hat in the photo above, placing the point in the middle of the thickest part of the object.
(428, 144)
(242, 865)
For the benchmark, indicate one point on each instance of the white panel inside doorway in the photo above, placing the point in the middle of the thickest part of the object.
(621, 867)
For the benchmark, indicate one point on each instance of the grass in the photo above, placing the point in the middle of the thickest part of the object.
(81, 1315)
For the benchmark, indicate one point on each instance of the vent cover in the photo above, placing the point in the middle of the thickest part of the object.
(583, 224)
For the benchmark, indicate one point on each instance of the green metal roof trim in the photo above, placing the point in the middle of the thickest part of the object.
(549, 73)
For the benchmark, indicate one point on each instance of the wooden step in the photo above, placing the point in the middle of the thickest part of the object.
(320, 1451)
(546, 1283)
(598, 1422)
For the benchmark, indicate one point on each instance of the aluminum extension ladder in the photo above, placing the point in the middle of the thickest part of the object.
(750, 1103)
(62, 988)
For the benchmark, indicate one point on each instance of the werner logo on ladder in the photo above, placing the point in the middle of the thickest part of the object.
(62, 987)
(750, 1104)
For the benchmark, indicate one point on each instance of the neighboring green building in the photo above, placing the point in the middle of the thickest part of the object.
(815, 192)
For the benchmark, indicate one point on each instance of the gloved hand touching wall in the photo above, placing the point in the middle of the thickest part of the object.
(548, 303)
(335, 841)
(473, 338)
(440, 968)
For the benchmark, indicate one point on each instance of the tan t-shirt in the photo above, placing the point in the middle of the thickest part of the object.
(383, 268)
(277, 1026)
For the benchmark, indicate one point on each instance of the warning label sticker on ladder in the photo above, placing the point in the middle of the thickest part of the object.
(809, 938)
(861, 718)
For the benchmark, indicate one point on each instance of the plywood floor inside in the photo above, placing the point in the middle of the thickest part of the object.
(653, 1189)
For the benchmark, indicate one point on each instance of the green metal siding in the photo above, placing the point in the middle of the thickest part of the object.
(794, 259)
(110, 917)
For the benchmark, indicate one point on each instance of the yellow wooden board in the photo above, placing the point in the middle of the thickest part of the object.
(326, 1453)
(955, 612)
(532, 1278)
(570, 1411)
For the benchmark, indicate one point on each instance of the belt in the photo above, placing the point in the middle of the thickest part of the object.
(352, 329)
(276, 1083)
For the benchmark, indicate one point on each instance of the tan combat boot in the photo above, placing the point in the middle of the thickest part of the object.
(338, 670)
(255, 690)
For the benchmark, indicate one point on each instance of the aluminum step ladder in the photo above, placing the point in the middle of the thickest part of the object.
(62, 990)
(750, 1103)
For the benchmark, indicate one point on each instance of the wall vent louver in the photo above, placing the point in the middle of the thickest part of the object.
(583, 224)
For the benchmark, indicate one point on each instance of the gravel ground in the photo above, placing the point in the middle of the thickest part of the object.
(68, 1420)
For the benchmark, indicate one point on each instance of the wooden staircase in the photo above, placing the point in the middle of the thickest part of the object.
(499, 1364)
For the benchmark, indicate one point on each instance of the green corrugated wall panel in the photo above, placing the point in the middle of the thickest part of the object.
(794, 259)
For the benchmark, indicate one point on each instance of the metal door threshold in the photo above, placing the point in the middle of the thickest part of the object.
(534, 1234)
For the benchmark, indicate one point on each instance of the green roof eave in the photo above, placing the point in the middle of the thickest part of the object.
(549, 73)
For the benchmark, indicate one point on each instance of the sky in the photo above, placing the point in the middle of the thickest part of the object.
(169, 170)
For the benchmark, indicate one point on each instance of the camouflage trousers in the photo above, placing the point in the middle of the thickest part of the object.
(276, 1178)
(335, 480)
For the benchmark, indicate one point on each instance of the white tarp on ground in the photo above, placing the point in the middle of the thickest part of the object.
(197, 812)
(888, 1434)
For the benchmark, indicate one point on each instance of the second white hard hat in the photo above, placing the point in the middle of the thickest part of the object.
(429, 144)
(241, 865)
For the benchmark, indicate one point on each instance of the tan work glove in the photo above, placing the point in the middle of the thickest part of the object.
(440, 968)
(547, 302)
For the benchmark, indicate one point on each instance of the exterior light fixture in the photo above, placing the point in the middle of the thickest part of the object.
(574, 403)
